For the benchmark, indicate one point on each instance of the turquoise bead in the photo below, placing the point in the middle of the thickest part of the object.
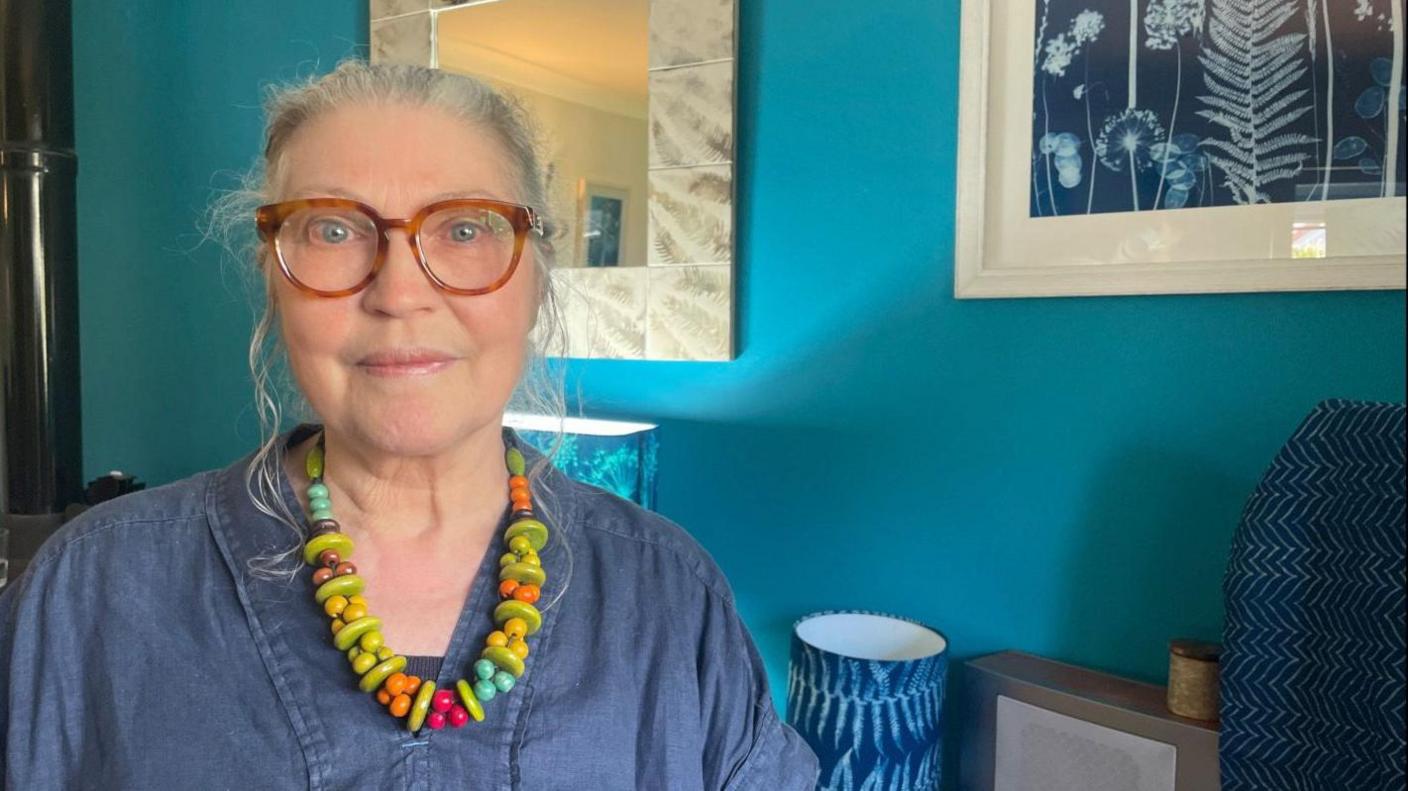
(317, 490)
(485, 669)
(321, 514)
(316, 504)
(503, 681)
(485, 690)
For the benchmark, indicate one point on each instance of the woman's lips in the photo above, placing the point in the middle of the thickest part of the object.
(405, 362)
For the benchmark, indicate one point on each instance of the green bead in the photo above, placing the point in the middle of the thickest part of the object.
(520, 544)
(513, 608)
(503, 681)
(485, 690)
(371, 641)
(346, 585)
(514, 458)
(350, 634)
(470, 702)
(316, 545)
(317, 504)
(363, 662)
(313, 465)
(504, 659)
(523, 574)
(373, 678)
(317, 490)
(485, 669)
(353, 653)
(320, 513)
(507, 558)
(536, 531)
(421, 705)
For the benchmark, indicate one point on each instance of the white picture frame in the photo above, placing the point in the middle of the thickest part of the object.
(1001, 251)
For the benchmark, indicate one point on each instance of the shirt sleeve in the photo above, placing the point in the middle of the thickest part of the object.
(746, 745)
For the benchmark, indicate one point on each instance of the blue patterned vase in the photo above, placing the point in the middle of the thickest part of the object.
(866, 691)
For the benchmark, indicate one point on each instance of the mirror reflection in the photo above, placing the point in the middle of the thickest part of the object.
(580, 67)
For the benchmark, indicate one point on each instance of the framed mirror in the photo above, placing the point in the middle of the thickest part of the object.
(636, 102)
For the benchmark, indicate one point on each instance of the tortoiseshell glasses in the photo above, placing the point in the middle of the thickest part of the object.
(334, 247)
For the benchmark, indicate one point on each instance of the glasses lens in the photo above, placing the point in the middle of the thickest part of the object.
(466, 247)
(328, 248)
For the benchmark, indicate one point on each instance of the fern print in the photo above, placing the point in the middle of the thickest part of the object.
(1251, 73)
(1215, 103)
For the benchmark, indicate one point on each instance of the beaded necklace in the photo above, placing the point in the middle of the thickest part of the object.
(338, 589)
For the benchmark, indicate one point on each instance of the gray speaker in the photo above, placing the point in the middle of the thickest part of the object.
(1033, 724)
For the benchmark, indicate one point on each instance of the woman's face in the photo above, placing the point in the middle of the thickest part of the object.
(397, 159)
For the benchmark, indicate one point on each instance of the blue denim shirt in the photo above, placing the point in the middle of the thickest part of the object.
(139, 652)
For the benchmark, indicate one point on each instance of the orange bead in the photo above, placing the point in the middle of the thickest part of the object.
(383, 697)
(400, 705)
(526, 593)
(412, 684)
(396, 684)
(507, 587)
(522, 503)
(517, 482)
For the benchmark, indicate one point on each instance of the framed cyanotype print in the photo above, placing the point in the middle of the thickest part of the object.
(1180, 146)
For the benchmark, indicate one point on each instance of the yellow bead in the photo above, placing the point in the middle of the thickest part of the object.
(373, 678)
(515, 628)
(496, 638)
(358, 599)
(421, 705)
(384, 653)
(519, 649)
(354, 611)
(363, 663)
(505, 659)
(335, 605)
(337, 625)
(512, 608)
(471, 703)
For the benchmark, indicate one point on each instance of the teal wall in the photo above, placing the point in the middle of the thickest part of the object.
(1061, 476)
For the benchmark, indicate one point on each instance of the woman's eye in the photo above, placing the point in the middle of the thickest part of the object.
(332, 232)
(464, 232)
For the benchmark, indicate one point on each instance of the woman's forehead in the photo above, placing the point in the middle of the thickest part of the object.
(394, 152)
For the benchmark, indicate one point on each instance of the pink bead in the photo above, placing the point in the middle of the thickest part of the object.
(443, 701)
(435, 720)
(458, 716)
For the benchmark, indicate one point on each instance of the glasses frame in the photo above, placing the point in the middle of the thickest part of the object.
(268, 219)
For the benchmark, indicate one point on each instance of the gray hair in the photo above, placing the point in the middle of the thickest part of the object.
(231, 221)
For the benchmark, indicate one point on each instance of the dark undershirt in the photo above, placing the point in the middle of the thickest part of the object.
(427, 667)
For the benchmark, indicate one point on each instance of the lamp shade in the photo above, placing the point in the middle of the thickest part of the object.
(617, 455)
(866, 691)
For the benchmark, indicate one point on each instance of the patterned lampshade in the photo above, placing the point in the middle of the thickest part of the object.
(616, 455)
(866, 691)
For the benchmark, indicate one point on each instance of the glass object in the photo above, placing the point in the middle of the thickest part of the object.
(334, 247)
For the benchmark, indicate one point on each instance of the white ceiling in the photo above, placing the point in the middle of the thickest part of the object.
(600, 42)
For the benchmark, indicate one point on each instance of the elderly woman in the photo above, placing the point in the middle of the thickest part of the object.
(400, 594)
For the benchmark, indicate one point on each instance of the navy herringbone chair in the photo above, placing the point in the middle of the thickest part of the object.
(1313, 659)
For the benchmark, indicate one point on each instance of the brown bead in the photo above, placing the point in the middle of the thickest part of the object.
(322, 575)
(344, 568)
(324, 526)
(330, 558)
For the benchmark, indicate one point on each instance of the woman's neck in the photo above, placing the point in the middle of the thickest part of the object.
(417, 499)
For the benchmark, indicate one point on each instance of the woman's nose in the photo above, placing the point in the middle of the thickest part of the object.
(400, 286)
